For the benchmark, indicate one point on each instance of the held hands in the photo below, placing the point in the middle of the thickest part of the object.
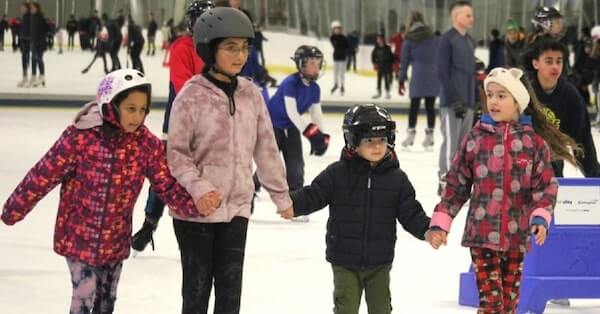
(209, 202)
(319, 141)
(288, 213)
(436, 238)
(540, 233)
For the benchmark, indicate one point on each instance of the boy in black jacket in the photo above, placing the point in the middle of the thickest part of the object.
(564, 105)
(366, 192)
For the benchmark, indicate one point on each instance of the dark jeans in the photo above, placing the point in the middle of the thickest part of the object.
(415, 103)
(114, 56)
(386, 75)
(151, 45)
(351, 61)
(211, 252)
(289, 142)
(136, 61)
(37, 59)
(71, 41)
(25, 55)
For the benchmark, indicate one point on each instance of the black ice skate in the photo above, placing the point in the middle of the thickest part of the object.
(140, 239)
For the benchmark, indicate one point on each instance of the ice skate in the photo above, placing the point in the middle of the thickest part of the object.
(342, 90)
(40, 81)
(22, 83)
(428, 142)
(376, 96)
(334, 88)
(140, 239)
(301, 219)
(388, 95)
(410, 138)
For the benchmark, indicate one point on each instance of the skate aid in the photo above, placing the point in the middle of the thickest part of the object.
(566, 266)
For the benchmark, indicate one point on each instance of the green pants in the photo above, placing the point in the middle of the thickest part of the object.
(349, 285)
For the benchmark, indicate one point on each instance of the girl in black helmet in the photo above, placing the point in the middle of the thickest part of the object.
(219, 125)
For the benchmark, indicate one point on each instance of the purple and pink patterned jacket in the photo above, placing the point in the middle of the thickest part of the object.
(101, 170)
(505, 171)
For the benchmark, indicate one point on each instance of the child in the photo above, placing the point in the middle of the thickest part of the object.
(184, 63)
(298, 94)
(383, 60)
(340, 49)
(101, 162)
(219, 125)
(366, 192)
(505, 158)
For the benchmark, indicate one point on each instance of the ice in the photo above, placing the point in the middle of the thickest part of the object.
(285, 268)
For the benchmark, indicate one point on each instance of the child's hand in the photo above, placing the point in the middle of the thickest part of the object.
(540, 233)
(288, 213)
(436, 238)
(208, 203)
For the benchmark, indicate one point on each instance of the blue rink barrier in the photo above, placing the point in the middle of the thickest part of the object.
(567, 266)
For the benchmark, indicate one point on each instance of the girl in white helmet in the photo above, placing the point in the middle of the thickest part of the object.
(100, 161)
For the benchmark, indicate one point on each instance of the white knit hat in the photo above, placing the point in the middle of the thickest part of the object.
(511, 80)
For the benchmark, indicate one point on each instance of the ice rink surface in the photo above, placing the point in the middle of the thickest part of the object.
(285, 268)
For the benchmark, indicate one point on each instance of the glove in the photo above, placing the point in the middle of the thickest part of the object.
(401, 88)
(459, 110)
(319, 141)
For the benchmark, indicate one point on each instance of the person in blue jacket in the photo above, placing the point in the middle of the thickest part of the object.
(298, 94)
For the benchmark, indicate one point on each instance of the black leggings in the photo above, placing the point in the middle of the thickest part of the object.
(211, 253)
(415, 103)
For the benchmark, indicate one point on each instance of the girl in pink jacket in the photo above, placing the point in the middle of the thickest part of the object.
(503, 167)
(100, 162)
(219, 125)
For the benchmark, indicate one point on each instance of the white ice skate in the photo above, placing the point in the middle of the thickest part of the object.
(428, 142)
(409, 140)
(301, 219)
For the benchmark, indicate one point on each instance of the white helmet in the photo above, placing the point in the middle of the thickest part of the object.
(595, 32)
(335, 24)
(116, 82)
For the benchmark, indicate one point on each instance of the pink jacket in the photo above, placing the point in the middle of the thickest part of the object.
(209, 149)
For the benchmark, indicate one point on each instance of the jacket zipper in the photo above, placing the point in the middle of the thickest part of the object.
(366, 223)
(104, 208)
(505, 188)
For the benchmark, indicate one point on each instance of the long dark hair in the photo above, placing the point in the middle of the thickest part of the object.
(562, 145)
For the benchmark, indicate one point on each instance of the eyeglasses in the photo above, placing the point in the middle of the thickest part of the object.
(234, 51)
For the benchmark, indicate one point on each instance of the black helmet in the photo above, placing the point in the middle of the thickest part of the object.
(303, 53)
(194, 10)
(542, 19)
(219, 23)
(368, 121)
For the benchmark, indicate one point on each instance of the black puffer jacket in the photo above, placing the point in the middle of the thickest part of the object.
(364, 203)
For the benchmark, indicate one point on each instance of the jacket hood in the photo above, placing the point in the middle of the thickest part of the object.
(88, 116)
(419, 32)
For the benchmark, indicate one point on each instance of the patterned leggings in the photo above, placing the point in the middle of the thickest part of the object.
(498, 277)
(94, 288)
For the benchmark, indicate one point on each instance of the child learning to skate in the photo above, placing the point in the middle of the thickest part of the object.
(101, 161)
(366, 192)
(504, 167)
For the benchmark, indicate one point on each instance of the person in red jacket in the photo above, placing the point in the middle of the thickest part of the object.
(504, 167)
(101, 161)
(184, 64)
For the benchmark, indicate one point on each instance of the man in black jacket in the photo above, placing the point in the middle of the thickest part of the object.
(564, 106)
(366, 192)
